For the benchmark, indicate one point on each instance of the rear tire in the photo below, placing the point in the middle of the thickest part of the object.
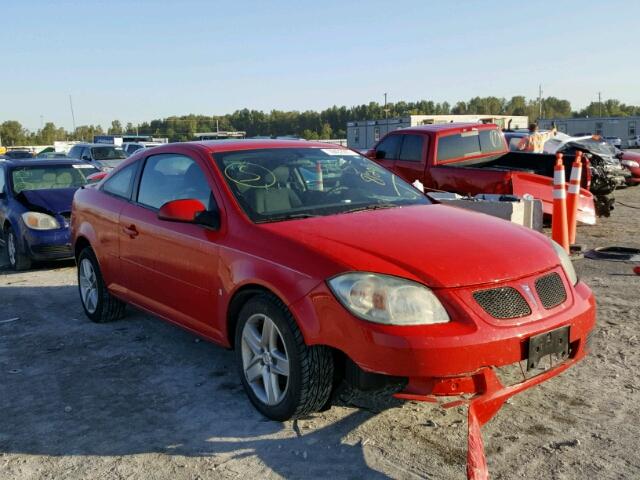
(282, 376)
(98, 304)
(17, 259)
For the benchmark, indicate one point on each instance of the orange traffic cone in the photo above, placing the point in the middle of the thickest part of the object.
(573, 195)
(319, 176)
(559, 230)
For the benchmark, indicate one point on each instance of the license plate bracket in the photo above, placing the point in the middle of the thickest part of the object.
(548, 343)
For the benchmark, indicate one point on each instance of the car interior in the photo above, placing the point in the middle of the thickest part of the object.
(33, 178)
(269, 182)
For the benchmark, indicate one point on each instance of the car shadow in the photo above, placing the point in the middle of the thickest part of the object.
(140, 385)
(5, 269)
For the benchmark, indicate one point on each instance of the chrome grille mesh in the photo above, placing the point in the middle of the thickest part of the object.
(503, 302)
(551, 290)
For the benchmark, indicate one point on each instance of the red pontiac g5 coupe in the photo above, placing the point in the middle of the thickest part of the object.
(318, 266)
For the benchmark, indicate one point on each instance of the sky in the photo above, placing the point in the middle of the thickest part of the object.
(139, 60)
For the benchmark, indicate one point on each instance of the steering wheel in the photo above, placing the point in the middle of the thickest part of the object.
(339, 188)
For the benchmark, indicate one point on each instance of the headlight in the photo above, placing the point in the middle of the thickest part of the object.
(389, 300)
(566, 263)
(630, 163)
(40, 221)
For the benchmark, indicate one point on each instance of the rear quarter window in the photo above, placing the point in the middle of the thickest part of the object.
(119, 184)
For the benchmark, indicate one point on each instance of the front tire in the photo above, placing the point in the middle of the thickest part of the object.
(282, 376)
(17, 260)
(98, 304)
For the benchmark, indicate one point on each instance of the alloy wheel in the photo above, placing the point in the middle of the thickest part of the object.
(264, 359)
(11, 248)
(88, 285)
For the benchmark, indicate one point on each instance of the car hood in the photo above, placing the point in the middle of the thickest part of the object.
(438, 245)
(627, 155)
(52, 201)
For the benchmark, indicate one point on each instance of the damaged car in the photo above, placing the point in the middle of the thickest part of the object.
(603, 165)
(321, 268)
(35, 208)
(607, 171)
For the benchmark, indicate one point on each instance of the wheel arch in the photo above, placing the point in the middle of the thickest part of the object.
(81, 243)
(5, 226)
(239, 298)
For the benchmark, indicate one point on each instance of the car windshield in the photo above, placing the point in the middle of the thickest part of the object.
(17, 154)
(47, 177)
(286, 183)
(107, 153)
(597, 147)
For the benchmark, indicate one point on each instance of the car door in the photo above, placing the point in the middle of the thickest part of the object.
(411, 161)
(105, 218)
(170, 267)
(3, 200)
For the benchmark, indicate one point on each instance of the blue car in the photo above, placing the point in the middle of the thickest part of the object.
(35, 207)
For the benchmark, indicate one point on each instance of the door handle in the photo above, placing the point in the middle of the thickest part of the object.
(131, 231)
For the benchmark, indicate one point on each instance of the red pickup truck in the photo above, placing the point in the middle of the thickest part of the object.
(472, 158)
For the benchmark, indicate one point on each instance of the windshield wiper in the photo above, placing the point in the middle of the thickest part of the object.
(374, 206)
(289, 216)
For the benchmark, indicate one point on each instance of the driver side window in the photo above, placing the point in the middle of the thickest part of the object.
(388, 148)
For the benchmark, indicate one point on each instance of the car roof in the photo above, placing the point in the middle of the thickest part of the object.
(42, 162)
(213, 146)
(444, 127)
(95, 145)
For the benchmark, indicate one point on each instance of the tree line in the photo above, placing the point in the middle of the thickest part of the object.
(309, 124)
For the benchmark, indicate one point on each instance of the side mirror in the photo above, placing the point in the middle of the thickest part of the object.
(189, 211)
(380, 154)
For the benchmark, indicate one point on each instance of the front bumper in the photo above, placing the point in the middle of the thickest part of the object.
(48, 244)
(460, 358)
(427, 354)
(635, 175)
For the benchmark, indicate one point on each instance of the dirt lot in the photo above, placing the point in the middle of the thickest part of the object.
(142, 399)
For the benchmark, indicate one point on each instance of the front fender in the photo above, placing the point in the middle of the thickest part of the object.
(237, 271)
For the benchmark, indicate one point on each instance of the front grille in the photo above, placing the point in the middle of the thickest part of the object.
(503, 302)
(52, 251)
(551, 290)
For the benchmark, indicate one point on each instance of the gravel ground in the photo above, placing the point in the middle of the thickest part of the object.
(141, 399)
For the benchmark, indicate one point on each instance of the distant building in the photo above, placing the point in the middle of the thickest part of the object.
(118, 140)
(364, 133)
(220, 135)
(625, 128)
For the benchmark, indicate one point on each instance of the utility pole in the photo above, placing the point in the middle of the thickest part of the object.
(540, 101)
(385, 104)
(600, 104)
(73, 116)
(386, 112)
